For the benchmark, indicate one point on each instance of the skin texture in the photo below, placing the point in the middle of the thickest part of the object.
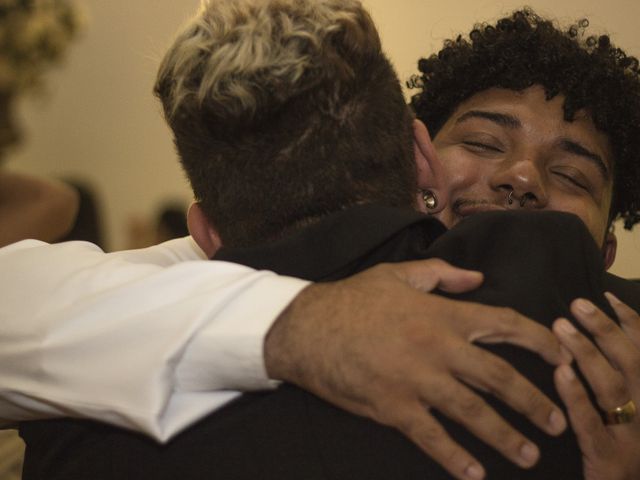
(502, 140)
(611, 367)
(385, 310)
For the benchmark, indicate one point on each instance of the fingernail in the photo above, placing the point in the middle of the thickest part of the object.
(567, 327)
(557, 422)
(474, 472)
(529, 453)
(612, 298)
(585, 306)
(567, 373)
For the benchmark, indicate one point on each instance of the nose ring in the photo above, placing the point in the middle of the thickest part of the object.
(510, 197)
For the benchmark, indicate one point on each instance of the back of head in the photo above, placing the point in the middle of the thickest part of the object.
(284, 111)
(522, 50)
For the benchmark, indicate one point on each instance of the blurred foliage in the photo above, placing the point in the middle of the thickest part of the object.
(34, 34)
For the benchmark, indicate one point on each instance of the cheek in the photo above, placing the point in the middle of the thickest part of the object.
(461, 171)
(461, 176)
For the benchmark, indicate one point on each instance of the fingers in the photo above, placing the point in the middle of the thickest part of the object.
(425, 275)
(486, 324)
(584, 418)
(616, 345)
(425, 431)
(467, 408)
(607, 383)
(490, 373)
(609, 451)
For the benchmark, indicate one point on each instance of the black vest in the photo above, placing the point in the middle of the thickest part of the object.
(534, 262)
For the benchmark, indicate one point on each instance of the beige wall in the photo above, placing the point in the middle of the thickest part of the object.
(101, 121)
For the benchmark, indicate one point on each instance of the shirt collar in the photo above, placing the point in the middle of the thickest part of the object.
(322, 250)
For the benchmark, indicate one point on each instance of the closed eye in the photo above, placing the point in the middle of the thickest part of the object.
(483, 147)
(572, 180)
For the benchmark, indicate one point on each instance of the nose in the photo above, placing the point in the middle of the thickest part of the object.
(522, 182)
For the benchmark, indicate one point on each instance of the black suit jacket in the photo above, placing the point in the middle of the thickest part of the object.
(534, 262)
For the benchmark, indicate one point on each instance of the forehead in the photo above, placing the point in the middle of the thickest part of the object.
(539, 121)
(534, 111)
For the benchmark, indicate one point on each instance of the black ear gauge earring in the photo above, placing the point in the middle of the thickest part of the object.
(430, 200)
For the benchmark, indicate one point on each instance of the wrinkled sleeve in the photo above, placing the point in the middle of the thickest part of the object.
(150, 340)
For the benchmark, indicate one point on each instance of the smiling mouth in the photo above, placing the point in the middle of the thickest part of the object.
(464, 208)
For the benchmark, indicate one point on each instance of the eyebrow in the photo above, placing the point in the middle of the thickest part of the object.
(570, 146)
(501, 119)
(577, 149)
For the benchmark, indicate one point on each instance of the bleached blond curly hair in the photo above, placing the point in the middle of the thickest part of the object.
(246, 54)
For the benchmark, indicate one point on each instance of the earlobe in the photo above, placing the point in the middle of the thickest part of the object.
(204, 234)
(431, 181)
(609, 250)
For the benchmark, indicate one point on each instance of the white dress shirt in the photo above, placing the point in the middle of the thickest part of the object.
(150, 340)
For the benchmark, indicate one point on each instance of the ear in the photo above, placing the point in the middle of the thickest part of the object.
(609, 249)
(202, 231)
(431, 175)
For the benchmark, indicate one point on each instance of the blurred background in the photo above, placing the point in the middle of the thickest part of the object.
(98, 124)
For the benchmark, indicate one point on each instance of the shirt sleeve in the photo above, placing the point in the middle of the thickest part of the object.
(150, 340)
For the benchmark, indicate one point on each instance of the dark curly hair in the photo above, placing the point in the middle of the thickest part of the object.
(523, 50)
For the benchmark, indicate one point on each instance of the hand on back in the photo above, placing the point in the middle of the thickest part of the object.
(379, 345)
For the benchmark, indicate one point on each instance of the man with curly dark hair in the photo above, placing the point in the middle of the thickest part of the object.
(528, 115)
(588, 83)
